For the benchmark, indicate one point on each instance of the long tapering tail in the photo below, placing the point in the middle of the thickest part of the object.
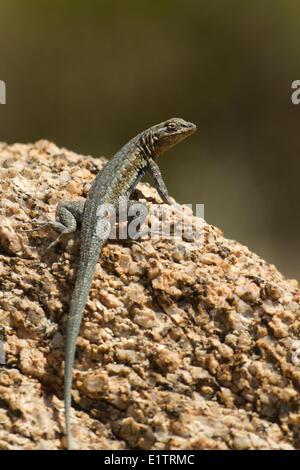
(83, 283)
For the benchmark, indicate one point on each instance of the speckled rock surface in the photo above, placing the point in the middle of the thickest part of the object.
(182, 345)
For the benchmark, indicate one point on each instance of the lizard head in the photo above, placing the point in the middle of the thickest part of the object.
(168, 133)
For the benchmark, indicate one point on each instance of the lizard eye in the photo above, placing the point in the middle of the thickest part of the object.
(171, 126)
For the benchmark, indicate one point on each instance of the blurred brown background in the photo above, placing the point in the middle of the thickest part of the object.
(90, 74)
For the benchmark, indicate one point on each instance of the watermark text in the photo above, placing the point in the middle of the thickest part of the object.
(2, 92)
(295, 97)
(136, 222)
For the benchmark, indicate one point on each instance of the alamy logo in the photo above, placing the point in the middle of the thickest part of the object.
(2, 353)
(2, 92)
(295, 97)
(163, 221)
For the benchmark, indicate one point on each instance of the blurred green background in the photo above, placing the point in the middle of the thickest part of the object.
(90, 74)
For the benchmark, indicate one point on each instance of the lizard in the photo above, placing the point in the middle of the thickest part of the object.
(118, 178)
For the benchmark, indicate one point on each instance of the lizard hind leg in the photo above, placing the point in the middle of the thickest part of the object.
(69, 215)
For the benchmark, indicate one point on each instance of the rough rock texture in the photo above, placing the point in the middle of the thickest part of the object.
(183, 345)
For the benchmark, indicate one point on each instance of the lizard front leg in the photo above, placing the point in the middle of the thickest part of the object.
(154, 171)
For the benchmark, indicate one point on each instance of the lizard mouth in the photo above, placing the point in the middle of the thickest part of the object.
(189, 129)
(192, 128)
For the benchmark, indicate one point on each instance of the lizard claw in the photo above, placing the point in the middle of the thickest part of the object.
(41, 226)
(55, 242)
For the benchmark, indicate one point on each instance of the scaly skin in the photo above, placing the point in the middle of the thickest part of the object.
(117, 178)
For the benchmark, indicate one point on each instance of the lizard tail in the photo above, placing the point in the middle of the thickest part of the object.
(83, 283)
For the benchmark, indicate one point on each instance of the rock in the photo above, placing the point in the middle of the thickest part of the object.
(184, 344)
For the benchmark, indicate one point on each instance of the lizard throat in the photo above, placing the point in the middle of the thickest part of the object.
(147, 143)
